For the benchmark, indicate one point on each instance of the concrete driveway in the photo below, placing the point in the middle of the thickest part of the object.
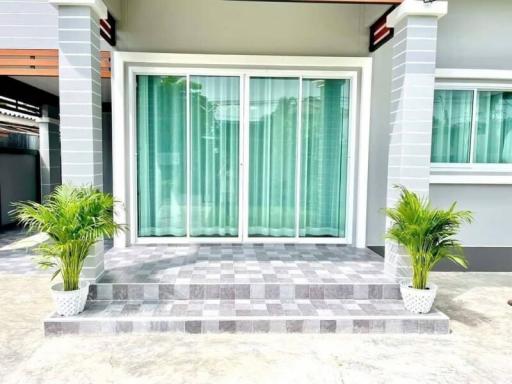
(477, 351)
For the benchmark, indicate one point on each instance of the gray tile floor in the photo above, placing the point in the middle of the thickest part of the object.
(214, 264)
(235, 263)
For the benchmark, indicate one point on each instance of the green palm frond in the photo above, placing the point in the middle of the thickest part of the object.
(426, 233)
(74, 218)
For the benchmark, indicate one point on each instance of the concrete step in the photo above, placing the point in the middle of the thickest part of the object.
(248, 316)
(236, 291)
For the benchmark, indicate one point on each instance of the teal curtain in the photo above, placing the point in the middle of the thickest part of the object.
(215, 115)
(451, 133)
(324, 155)
(272, 152)
(494, 127)
(161, 155)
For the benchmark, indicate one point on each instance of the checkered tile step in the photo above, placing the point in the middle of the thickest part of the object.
(252, 315)
(105, 291)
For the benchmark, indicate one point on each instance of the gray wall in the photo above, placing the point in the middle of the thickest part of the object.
(472, 35)
(26, 24)
(476, 34)
(238, 27)
(492, 208)
(106, 122)
(18, 178)
(379, 144)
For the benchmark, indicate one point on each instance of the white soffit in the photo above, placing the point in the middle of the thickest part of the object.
(416, 8)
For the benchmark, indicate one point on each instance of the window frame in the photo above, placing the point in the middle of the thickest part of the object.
(472, 172)
(245, 74)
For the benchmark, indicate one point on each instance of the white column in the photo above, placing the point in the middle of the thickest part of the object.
(80, 102)
(412, 99)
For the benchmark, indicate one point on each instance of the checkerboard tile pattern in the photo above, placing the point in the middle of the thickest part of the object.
(292, 264)
(245, 288)
(197, 291)
(257, 315)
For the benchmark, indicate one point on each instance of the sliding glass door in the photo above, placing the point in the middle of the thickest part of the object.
(273, 123)
(243, 157)
(324, 157)
(214, 157)
(188, 155)
(298, 156)
(162, 155)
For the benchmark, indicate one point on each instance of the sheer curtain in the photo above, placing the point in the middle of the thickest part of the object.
(324, 154)
(494, 127)
(272, 151)
(161, 155)
(214, 109)
(451, 133)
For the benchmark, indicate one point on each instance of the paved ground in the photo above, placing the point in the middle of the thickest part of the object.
(477, 351)
(15, 252)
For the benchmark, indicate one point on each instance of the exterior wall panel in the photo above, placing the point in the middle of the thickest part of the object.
(492, 208)
(232, 27)
(476, 34)
(28, 24)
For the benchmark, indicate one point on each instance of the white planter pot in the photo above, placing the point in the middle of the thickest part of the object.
(70, 303)
(418, 300)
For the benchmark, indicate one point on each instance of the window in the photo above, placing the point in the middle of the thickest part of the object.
(472, 126)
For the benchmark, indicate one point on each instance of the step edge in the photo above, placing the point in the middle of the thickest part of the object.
(436, 316)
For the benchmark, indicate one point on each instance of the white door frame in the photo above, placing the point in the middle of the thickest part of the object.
(126, 65)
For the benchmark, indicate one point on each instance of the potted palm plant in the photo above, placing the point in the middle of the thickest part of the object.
(427, 234)
(74, 218)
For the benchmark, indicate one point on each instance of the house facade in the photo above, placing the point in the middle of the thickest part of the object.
(272, 122)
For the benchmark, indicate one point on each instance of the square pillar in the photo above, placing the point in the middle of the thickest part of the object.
(412, 101)
(80, 102)
(49, 151)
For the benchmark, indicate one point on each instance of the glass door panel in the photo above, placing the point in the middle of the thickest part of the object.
(273, 120)
(188, 156)
(324, 156)
(161, 155)
(215, 126)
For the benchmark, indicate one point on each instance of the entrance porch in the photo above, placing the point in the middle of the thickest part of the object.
(249, 148)
(245, 288)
